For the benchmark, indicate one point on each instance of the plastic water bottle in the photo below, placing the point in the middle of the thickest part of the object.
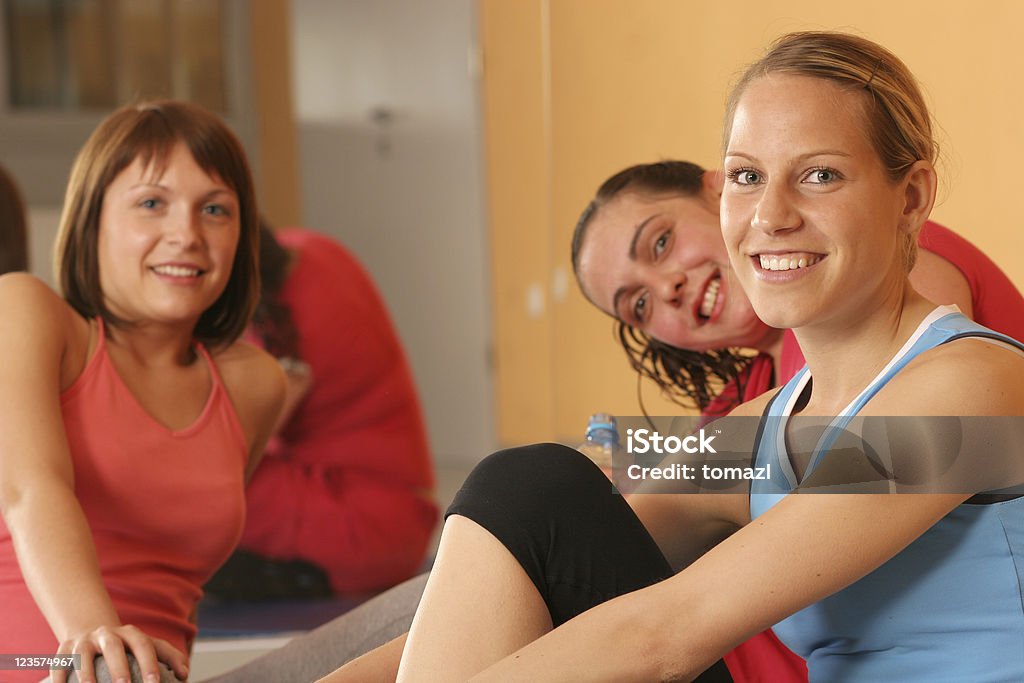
(602, 441)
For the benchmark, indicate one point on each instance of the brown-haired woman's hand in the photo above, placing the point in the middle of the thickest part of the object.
(114, 643)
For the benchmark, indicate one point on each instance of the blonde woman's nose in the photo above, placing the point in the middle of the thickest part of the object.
(774, 211)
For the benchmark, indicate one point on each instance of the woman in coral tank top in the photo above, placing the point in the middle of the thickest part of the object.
(132, 414)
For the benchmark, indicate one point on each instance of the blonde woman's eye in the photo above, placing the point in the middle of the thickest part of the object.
(745, 176)
(149, 203)
(822, 176)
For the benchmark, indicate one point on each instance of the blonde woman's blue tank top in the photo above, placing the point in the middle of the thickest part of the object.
(949, 607)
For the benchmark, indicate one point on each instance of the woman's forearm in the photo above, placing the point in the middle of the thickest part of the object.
(58, 559)
(636, 637)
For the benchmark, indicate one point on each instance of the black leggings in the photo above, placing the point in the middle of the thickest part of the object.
(580, 543)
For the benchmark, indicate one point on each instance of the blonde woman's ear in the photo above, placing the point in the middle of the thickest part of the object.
(921, 186)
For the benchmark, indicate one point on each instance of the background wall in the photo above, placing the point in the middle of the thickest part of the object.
(390, 154)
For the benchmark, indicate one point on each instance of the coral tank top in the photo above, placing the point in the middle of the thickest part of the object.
(165, 507)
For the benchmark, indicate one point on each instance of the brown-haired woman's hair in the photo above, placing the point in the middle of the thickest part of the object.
(690, 378)
(13, 230)
(273, 318)
(148, 132)
(897, 120)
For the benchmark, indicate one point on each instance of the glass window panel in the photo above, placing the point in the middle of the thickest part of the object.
(144, 58)
(199, 48)
(96, 54)
(34, 37)
(90, 37)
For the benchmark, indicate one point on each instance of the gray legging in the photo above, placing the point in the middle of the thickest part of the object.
(319, 652)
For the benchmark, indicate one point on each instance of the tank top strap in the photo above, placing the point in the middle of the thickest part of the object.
(215, 377)
(99, 352)
(219, 395)
(93, 361)
(101, 332)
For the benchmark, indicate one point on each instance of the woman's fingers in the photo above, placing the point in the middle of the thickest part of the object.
(145, 651)
(111, 644)
(172, 657)
(87, 648)
(61, 675)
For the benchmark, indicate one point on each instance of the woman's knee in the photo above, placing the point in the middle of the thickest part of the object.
(544, 464)
(540, 482)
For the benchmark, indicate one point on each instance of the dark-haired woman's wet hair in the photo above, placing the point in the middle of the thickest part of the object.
(692, 379)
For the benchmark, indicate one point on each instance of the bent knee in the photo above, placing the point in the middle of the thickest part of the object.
(539, 464)
(537, 478)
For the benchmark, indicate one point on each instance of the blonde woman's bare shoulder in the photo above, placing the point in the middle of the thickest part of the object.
(970, 376)
(754, 407)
